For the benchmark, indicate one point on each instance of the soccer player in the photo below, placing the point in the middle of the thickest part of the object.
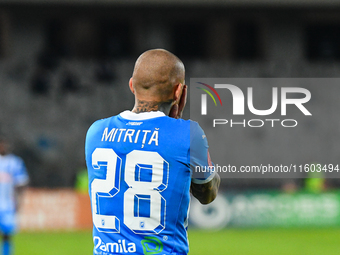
(13, 179)
(141, 165)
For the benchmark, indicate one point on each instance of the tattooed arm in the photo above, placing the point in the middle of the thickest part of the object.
(204, 184)
(206, 193)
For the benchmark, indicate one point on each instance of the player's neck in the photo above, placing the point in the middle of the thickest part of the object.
(148, 106)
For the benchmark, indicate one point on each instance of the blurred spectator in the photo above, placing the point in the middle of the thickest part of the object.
(40, 84)
(13, 179)
(104, 73)
(69, 83)
(48, 60)
(290, 186)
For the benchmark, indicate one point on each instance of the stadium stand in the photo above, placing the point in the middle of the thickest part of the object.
(53, 87)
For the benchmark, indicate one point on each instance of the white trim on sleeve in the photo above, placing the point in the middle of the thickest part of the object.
(199, 181)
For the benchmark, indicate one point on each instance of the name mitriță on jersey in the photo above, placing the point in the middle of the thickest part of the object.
(130, 135)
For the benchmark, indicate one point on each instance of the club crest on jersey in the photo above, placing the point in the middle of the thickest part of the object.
(142, 224)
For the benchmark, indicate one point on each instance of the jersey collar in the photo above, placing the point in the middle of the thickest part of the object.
(141, 116)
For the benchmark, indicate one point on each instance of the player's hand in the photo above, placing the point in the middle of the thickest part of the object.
(177, 109)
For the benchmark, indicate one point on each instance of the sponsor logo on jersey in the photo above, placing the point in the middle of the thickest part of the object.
(134, 123)
(151, 245)
(122, 246)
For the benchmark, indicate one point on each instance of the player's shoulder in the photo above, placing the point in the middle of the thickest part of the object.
(179, 121)
(195, 127)
(179, 124)
(99, 123)
(14, 158)
(196, 131)
(194, 124)
(187, 127)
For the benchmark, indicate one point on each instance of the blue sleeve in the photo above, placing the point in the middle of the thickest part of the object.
(20, 174)
(202, 169)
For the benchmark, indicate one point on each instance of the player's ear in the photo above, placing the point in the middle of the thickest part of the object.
(131, 87)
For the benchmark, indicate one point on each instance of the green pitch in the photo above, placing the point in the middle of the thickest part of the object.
(230, 241)
(265, 242)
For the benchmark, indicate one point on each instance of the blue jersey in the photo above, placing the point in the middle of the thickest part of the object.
(139, 168)
(12, 174)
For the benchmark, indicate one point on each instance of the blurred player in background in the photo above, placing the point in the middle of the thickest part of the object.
(13, 179)
(141, 165)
